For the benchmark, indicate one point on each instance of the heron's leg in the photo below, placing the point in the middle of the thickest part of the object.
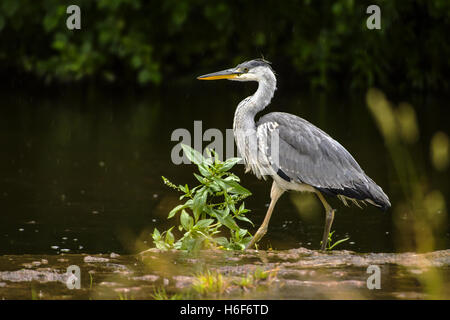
(275, 194)
(329, 216)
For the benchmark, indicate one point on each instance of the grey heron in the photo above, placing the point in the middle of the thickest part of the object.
(296, 154)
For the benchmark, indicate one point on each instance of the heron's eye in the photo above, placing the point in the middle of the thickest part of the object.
(245, 70)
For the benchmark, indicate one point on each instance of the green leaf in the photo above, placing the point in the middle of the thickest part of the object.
(193, 155)
(242, 232)
(176, 209)
(236, 187)
(242, 209)
(203, 223)
(222, 241)
(169, 237)
(242, 218)
(231, 206)
(156, 235)
(204, 170)
(232, 177)
(223, 213)
(229, 163)
(338, 242)
(199, 202)
(199, 178)
(186, 220)
(228, 221)
(220, 183)
(188, 244)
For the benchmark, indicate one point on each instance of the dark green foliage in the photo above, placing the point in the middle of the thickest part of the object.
(325, 44)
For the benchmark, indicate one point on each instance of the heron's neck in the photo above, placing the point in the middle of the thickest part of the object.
(244, 117)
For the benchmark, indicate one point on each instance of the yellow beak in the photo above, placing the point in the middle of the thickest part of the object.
(224, 74)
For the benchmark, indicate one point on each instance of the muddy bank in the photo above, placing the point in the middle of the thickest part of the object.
(291, 274)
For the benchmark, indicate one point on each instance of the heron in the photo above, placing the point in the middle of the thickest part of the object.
(296, 154)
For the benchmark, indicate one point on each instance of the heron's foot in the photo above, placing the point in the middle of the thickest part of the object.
(258, 235)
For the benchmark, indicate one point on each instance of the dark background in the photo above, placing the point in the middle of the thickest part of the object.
(316, 44)
(86, 115)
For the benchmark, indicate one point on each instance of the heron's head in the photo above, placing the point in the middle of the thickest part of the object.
(253, 70)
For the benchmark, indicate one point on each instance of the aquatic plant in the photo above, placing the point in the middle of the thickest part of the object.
(124, 296)
(330, 244)
(253, 279)
(208, 207)
(161, 294)
(214, 283)
(210, 283)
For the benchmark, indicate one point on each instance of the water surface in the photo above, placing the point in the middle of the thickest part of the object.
(80, 171)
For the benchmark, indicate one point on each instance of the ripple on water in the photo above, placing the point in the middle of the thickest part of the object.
(293, 274)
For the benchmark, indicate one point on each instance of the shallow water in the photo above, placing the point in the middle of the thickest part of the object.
(294, 274)
(80, 174)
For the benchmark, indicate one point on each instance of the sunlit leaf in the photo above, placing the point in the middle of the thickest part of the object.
(186, 220)
(175, 210)
(199, 202)
(204, 223)
(193, 155)
(237, 188)
(229, 163)
(156, 235)
(242, 218)
(169, 237)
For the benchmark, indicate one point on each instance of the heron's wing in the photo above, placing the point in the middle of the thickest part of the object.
(308, 155)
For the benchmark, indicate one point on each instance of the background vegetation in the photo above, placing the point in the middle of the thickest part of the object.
(322, 44)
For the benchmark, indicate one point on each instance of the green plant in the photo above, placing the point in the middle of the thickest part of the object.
(261, 274)
(161, 294)
(210, 283)
(215, 203)
(251, 280)
(124, 296)
(34, 294)
(246, 281)
(330, 244)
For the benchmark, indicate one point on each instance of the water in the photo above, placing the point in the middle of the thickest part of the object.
(80, 172)
(290, 274)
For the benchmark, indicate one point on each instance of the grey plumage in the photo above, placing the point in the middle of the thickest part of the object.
(309, 155)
